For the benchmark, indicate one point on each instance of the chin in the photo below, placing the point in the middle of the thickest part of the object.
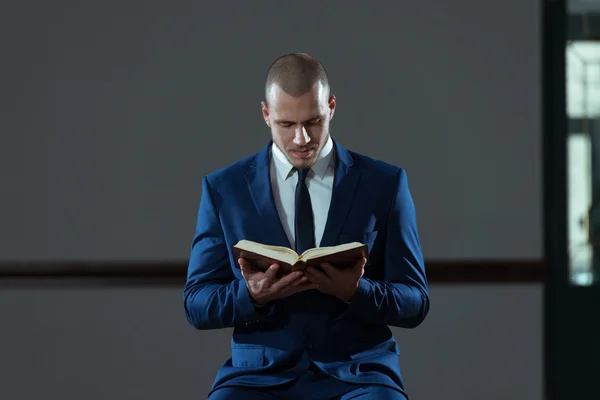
(298, 162)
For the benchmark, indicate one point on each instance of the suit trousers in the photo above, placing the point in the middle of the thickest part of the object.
(314, 385)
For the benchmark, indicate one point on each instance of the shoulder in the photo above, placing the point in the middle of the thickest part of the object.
(384, 179)
(377, 169)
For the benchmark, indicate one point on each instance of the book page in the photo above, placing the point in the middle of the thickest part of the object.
(323, 251)
(280, 253)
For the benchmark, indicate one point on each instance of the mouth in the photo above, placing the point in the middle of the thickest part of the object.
(302, 153)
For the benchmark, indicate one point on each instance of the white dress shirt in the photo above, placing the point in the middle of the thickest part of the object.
(320, 187)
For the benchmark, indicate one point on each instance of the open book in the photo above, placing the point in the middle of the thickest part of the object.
(262, 256)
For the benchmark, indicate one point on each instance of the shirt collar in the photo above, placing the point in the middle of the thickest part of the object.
(285, 168)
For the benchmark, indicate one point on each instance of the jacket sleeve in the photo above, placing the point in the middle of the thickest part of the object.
(213, 296)
(401, 298)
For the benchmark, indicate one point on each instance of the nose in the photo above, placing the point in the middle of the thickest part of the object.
(301, 137)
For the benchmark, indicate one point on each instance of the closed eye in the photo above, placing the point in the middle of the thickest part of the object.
(288, 124)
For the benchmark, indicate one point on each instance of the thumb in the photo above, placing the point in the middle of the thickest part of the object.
(328, 268)
(361, 262)
(271, 272)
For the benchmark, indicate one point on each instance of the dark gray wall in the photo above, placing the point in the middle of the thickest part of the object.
(112, 112)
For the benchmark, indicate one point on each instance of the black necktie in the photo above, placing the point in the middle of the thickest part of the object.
(304, 224)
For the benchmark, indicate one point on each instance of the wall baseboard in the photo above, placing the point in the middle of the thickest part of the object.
(172, 273)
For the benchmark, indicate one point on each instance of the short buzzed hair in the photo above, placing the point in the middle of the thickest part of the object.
(296, 74)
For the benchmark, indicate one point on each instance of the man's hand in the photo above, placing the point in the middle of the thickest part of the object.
(265, 287)
(341, 283)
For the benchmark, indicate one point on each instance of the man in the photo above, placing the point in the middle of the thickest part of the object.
(321, 333)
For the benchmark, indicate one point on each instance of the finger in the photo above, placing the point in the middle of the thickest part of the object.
(287, 280)
(315, 275)
(271, 272)
(303, 280)
(291, 277)
(361, 263)
(246, 268)
(245, 265)
(329, 269)
(360, 266)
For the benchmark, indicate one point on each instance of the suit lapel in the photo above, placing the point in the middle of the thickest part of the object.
(344, 189)
(259, 183)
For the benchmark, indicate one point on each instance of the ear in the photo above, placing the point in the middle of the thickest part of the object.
(265, 113)
(332, 105)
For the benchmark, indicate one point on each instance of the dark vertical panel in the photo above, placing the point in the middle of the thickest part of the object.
(554, 159)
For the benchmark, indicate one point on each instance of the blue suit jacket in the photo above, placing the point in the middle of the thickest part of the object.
(371, 203)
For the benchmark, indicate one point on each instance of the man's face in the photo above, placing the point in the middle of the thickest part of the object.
(300, 125)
